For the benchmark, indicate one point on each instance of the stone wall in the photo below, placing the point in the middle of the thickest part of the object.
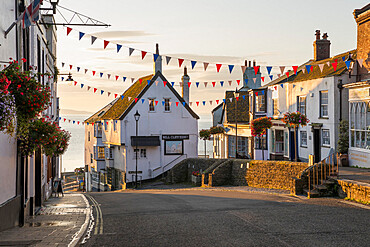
(182, 171)
(354, 190)
(221, 175)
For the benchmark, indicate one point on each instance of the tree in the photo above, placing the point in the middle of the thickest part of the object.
(295, 119)
(259, 127)
(205, 135)
(343, 141)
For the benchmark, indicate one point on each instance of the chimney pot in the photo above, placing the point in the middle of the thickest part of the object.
(325, 36)
(254, 62)
(157, 49)
(249, 64)
(245, 63)
(185, 71)
(317, 34)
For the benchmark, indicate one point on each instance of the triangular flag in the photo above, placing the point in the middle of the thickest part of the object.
(82, 85)
(81, 35)
(156, 102)
(93, 72)
(101, 74)
(78, 69)
(62, 78)
(130, 51)
(269, 68)
(238, 81)
(254, 80)
(63, 65)
(287, 74)
(230, 82)
(93, 40)
(108, 76)
(117, 77)
(205, 84)
(271, 77)
(282, 69)
(101, 92)
(122, 96)
(204, 103)
(321, 66)
(278, 75)
(205, 66)
(197, 103)
(88, 88)
(231, 99)
(86, 71)
(180, 83)
(68, 30)
(210, 102)
(303, 70)
(246, 81)
(344, 58)
(243, 97)
(256, 93)
(172, 83)
(197, 83)
(193, 64)
(224, 100)
(155, 56)
(124, 78)
(132, 80)
(222, 83)
(244, 68)
(177, 103)
(129, 98)
(213, 83)
(231, 68)
(109, 94)
(295, 68)
(164, 83)
(115, 95)
(256, 69)
(180, 61)
(136, 100)
(308, 68)
(190, 103)
(70, 67)
(142, 101)
(148, 81)
(360, 61)
(75, 83)
(301, 88)
(95, 90)
(143, 53)
(328, 63)
(140, 80)
(293, 86)
(335, 65)
(282, 85)
(189, 83)
(156, 83)
(217, 101)
(183, 103)
(118, 47)
(348, 63)
(218, 67)
(168, 59)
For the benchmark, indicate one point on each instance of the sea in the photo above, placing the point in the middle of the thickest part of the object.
(74, 156)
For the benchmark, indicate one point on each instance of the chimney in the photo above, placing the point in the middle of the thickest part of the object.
(158, 62)
(185, 88)
(249, 64)
(362, 17)
(321, 47)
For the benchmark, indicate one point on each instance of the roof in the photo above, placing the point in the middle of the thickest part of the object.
(357, 12)
(97, 116)
(123, 106)
(243, 107)
(316, 73)
(217, 107)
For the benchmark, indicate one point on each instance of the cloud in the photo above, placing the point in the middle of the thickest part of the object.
(121, 34)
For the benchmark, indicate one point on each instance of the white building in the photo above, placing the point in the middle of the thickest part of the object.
(26, 181)
(318, 95)
(167, 130)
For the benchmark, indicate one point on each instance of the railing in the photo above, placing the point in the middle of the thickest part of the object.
(164, 167)
(319, 172)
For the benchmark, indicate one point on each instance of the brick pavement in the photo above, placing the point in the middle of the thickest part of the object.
(60, 222)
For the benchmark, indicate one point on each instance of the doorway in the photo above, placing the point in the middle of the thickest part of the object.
(316, 145)
(38, 175)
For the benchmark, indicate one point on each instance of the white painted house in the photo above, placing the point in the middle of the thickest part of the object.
(318, 95)
(167, 129)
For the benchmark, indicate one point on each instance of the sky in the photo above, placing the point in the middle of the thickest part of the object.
(270, 32)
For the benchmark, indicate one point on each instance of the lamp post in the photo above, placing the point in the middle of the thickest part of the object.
(69, 76)
(236, 95)
(137, 117)
(351, 64)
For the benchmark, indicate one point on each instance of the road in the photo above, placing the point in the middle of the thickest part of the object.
(199, 217)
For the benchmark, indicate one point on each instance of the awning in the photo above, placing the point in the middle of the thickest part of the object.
(145, 141)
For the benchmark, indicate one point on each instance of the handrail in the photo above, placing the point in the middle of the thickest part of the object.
(175, 160)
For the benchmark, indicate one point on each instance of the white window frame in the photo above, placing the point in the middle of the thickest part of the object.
(167, 104)
(275, 104)
(322, 105)
(100, 153)
(143, 153)
(301, 104)
(322, 138)
(301, 134)
(151, 104)
(114, 125)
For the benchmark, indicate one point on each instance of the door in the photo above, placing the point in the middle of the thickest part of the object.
(291, 146)
(316, 145)
(38, 173)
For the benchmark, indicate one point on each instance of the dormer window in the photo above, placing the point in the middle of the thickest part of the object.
(151, 105)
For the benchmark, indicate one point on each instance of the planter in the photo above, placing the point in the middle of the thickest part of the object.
(343, 160)
(196, 180)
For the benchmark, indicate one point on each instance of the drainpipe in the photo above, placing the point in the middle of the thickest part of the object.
(340, 87)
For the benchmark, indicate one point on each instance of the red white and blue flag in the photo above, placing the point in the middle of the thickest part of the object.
(31, 14)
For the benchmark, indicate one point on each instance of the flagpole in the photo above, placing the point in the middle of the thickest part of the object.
(10, 28)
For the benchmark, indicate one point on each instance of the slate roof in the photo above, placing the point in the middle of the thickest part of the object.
(243, 107)
(119, 108)
(316, 73)
(97, 116)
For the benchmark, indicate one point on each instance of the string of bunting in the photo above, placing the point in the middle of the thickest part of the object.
(218, 66)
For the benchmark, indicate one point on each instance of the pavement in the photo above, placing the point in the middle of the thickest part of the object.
(356, 174)
(62, 221)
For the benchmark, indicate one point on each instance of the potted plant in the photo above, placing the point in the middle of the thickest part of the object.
(343, 143)
(196, 178)
(205, 135)
(259, 127)
(295, 119)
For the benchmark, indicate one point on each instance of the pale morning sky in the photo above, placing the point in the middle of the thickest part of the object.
(269, 31)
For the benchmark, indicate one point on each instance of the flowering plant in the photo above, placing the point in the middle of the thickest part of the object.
(7, 106)
(295, 119)
(259, 126)
(205, 134)
(217, 130)
(196, 173)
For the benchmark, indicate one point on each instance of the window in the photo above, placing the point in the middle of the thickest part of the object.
(100, 129)
(324, 104)
(109, 154)
(286, 143)
(115, 125)
(360, 124)
(260, 142)
(275, 109)
(91, 158)
(301, 104)
(151, 105)
(88, 136)
(279, 141)
(143, 153)
(167, 105)
(242, 146)
(105, 125)
(325, 137)
(101, 153)
(260, 103)
(303, 138)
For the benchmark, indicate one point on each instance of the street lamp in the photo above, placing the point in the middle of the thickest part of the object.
(236, 95)
(351, 64)
(137, 117)
(69, 76)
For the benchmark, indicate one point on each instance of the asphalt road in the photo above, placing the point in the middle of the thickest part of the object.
(224, 218)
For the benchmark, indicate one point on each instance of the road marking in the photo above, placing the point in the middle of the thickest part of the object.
(99, 217)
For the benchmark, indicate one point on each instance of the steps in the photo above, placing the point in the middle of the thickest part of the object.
(323, 189)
